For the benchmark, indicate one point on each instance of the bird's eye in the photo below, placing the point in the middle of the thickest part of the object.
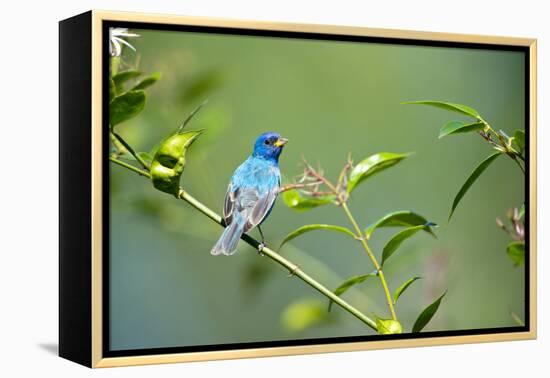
(267, 142)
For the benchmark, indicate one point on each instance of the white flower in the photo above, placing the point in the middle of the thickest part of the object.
(116, 36)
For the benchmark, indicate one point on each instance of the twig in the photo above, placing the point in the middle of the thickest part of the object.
(316, 193)
(321, 177)
(288, 187)
(502, 145)
(291, 267)
(130, 150)
(488, 138)
(343, 178)
(342, 201)
(130, 167)
(517, 162)
(377, 266)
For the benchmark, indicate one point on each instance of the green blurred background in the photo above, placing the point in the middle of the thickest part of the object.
(328, 98)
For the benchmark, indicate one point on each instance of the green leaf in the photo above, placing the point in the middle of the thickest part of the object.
(303, 314)
(144, 155)
(404, 287)
(372, 165)
(394, 243)
(294, 200)
(122, 77)
(126, 106)
(516, 252)
(399, 219)
(347, 284)
(519, 140)
(312, 227)
(427, 315)
(112, 90)
(456, 127)
(471, 179)
(147, 82)
(458, 108)
(388, 326)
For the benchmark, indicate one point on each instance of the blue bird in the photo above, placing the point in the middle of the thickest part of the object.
(252, 192)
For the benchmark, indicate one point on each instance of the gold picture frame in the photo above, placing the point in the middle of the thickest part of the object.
(92, 355)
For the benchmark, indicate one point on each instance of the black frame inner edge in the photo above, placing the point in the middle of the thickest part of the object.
(106, 352)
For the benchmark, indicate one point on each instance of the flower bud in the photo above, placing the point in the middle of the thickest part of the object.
(169, 161)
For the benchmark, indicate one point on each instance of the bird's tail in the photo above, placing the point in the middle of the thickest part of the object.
(227, 244)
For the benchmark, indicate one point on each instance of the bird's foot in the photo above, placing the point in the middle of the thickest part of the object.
(261, 247)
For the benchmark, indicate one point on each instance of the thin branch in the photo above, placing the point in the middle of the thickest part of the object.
(316, 193)
(293, 269)
(343, 178)
(377, 266)
(342, 198)
(518, 163)
(130, 167)
(520, 156)
(130, 150)
(488, 138)
(502, 145)
(120, 150)
(501, 225)
(288, 187)
(321, 177)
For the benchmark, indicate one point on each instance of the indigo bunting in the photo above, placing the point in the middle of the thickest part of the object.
(252, 192)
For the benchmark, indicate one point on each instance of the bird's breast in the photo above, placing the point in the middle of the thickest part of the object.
(258, 173)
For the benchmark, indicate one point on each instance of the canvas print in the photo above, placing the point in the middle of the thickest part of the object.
(271, 189)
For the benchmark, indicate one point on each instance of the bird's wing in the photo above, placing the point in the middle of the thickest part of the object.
(229, 203)
(245, 201)
(261, 208)
(267, 193)
(251, 193)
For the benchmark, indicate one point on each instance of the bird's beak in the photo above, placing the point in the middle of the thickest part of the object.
(281, 142)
